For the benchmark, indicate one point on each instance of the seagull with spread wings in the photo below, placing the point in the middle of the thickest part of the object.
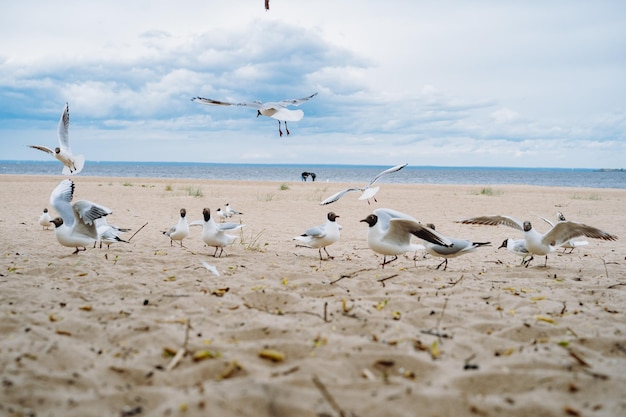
(367, 192)
(543, 243)
(276, 110)
(71, 164)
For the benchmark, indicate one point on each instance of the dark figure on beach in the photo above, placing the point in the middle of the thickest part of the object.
(305, 175)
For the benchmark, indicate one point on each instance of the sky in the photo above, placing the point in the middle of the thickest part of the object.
(446, 83)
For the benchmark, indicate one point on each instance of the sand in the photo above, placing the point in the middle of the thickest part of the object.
(143, 329)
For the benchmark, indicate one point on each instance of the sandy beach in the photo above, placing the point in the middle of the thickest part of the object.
(143, 329)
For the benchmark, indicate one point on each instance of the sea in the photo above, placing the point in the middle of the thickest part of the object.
(353, 174)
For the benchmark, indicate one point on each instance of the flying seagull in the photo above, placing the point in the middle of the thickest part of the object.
(72, 164)
(276, 110)
(367, 192)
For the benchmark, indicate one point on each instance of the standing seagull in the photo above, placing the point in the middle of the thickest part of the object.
(518, 247)
(108, 233)
(543, 244)
(45, 220)
(390, 233)
(180, 230)
(321, 236)
(459, 247)
(367, 192)
(76, 225)
(71, 164)
(276, 110)
(214, 234)
(231, 211)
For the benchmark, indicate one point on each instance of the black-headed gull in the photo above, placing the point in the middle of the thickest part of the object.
(459, 247)
(72, 164)
(214, 234)
(180, 230)
(222, 214)
(108, 233)
(570, 244)
(367, 192)
(390, 233)
(518, 247)
(45, 220)
(542, 244)
(276, 110)
(319, 237)
(76, 227)
(231, 211)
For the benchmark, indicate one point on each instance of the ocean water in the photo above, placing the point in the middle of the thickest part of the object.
(353, 174)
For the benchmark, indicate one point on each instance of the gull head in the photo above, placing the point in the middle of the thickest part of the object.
(57, 150)
(527, 226)
(57, 221)
(183, 212)
(371, 220)
(332, 216)
(207, 214)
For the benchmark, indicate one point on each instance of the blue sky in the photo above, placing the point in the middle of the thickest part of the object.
(449, 83)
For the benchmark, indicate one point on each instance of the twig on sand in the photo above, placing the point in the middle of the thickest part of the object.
(327, 396)
(452, 284)
(382, 280)
(182, 351)
(348, 275)
(138, 230)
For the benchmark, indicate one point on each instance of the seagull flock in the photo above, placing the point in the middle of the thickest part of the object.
(390, 233)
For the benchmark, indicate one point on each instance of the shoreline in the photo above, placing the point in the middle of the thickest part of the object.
(96, 333)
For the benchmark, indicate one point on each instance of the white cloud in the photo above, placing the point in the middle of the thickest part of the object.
(479, 83)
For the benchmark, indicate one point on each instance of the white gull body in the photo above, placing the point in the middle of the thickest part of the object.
(75, 227)
(276, 110)
(390, 232)
(72, 164)
(214, 234)
(319, 237)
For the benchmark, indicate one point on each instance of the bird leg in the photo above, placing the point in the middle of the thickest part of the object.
(526, 262)
(280, 132)
(287, 129)
(445, 261)
(78, 250)
(385, 261)
(327, 254)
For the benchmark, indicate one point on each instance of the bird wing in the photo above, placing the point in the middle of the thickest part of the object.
(317, 231)
(87, 212)
(338, 195)
(60, 199)
(296, 101)
(458, 245)
(564, 231)
(398, 228)
(64, 129)
(386, 214)
(495, 221)
(42, 148)
(224, 227)
(385, 172)
(255, 104)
